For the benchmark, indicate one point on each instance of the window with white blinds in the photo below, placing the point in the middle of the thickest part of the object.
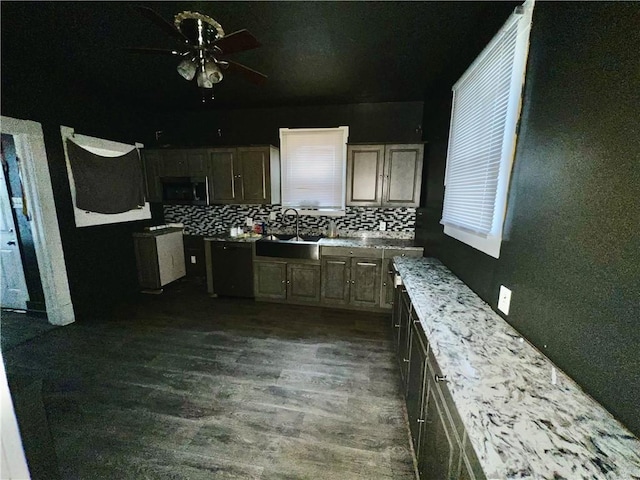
(313, 168)
(482, 137)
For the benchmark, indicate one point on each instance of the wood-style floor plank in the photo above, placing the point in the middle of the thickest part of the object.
(185, 386)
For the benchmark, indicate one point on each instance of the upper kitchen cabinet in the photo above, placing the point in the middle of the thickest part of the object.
(234, 174)
(384, 175)
(152, 171)
(245, 175)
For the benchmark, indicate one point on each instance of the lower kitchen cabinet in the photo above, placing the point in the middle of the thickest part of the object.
(335, 280)
(439, 439)
(286, 280)
(416, 383)
(303, 282)
(270, 280)
(439, 450)
(351, 281)
(388, 274)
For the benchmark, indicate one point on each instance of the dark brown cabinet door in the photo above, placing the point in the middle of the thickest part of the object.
(223, 175)
(270, 280)
(439, 453)
(254, 174)
(174, 163)
(365, 165)
(153, 172)
(403, 334)
(416, 383)
(388, 290)
(395, 318)
(402, 175)
(303, 282)
(365, 282)
(335, 280)
(198, 163)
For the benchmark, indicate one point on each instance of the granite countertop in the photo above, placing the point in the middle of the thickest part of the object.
(396, 243)
(158, 232)
(520, 424)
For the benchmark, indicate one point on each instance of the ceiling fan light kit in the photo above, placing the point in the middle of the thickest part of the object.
(204, 46)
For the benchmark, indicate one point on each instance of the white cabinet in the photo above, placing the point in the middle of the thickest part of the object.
(159, 257)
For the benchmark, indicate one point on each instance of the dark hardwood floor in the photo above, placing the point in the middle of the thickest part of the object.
(183, 386)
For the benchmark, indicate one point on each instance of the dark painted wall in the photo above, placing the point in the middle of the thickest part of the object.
(368, 122)
(100, 260)
(572, 249)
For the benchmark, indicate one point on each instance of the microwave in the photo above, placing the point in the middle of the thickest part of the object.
(185, 190)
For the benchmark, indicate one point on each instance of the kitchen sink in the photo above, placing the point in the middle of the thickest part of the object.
(285, 247)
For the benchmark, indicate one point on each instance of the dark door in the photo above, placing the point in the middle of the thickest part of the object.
(403, 334)
(403, 175)
(232, 269)
(254, 171)
(174, 163)
(335, 280)
(270, 280)
(388, 289)
(198, 164)
(303, 282)
(415, 383)
(365, 282)
(439, 454)
(395, 318)
(153, 171)
(364, 174)
(223, 175)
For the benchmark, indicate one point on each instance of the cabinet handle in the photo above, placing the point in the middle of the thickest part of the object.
(440, 378)
(420, 420)
(397, 326)
(405, 360)
(416, 321)
(384, 284)
(366, 264)
(282, 281)
(288, 282)
(353, 281)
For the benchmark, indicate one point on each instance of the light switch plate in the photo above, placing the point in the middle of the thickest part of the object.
(249, 222)
(193, 259)
(504, 300)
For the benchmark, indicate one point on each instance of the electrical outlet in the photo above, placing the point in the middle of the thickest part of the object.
(504, 300)
(193, 259)
(249, 222)
(383, 226)
(272, 216)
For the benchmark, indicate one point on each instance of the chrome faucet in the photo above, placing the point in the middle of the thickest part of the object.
(297, 238)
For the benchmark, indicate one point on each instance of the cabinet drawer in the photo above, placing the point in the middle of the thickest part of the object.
(362, 252)
(399, 252)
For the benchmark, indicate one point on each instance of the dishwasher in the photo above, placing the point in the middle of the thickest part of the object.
(231, 269)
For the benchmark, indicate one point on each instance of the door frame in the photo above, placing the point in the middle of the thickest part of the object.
(30, 148)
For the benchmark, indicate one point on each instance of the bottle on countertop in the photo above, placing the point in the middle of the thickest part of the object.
(332, 231)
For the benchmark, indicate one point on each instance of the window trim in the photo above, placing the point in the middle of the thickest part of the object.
(491, 243)
(327, 212)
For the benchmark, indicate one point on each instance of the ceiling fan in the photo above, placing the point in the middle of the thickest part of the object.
(204, 47)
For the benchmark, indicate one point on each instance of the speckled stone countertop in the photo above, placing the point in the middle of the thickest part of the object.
(520, 425)
(395, 243)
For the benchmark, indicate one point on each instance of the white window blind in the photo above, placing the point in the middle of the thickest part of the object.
(484, 116)
(313, 169)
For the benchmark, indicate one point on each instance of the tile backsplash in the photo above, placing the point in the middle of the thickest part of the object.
(358, 222)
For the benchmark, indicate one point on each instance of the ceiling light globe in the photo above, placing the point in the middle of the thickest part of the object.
(187, 68)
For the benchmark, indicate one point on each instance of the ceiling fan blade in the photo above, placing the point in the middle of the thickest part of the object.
(249, 74)
(161, 22)
(237, 42)
(161, 51)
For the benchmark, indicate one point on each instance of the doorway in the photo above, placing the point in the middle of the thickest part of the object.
(36, 203)
(21, 287)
